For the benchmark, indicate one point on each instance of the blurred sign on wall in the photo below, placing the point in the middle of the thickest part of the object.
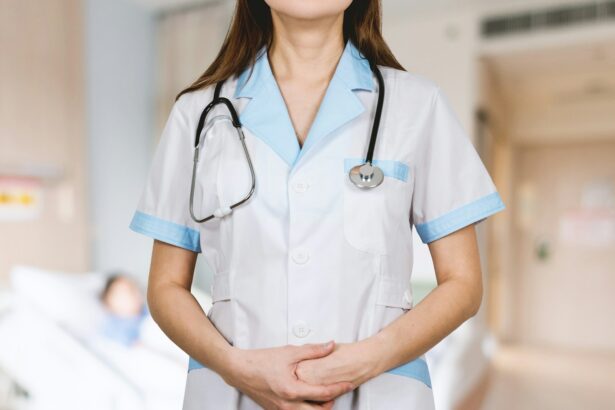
(588, 227)
(20, 198)
(593, 223)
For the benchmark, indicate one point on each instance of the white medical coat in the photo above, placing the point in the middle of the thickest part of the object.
(310, 257)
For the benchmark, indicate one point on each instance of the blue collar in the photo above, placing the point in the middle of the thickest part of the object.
(266, 115)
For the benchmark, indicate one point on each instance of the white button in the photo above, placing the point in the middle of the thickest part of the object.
(301, 256)
(301, 329)
(301, 186)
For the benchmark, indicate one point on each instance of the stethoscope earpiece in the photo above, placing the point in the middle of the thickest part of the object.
(366, 175)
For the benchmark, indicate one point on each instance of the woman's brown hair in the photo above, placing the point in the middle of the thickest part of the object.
(252, 28)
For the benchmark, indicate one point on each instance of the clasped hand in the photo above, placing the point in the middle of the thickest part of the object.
(309, 376)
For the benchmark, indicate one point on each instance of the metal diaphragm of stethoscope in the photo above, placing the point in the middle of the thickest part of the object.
(366, 175)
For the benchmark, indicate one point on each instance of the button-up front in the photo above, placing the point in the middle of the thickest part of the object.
(301, 329)
(301, 186)
(310, 257)
(301, 256)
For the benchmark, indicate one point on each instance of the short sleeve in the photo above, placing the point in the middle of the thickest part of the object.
(163, 209)
(452, 188)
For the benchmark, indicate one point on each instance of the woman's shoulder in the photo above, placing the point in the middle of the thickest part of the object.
(192, 102)
(408, 84)
(189, 101)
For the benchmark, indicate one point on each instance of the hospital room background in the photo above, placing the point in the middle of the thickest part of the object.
(85, 88)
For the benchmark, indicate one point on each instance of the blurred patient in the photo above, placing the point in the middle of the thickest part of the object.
(125, 309)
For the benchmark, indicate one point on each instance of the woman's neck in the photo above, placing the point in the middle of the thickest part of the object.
(306, 49)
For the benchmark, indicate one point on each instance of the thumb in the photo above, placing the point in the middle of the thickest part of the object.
(314, 350)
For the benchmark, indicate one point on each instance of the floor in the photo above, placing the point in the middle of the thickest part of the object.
(539, 378)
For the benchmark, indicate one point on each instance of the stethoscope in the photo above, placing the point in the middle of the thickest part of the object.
(364, 176)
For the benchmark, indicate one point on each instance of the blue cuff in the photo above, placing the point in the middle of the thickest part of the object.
(194, 364)
(416, 369)
(390, 168)
(166, 231)
(458, 218)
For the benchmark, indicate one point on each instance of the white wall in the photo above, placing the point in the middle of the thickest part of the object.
(120, 60)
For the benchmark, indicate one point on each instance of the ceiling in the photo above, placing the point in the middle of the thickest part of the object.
(558, 93)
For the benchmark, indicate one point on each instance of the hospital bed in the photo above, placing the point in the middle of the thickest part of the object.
(52, 351)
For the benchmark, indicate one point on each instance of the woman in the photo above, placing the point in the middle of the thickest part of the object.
(311, 258)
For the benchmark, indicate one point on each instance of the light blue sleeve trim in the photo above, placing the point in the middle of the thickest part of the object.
(390, 168)
(458, 218)
(193, 364)
(416, 369)
(166, 231)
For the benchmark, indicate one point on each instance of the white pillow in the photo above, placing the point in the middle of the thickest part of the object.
(69, 299)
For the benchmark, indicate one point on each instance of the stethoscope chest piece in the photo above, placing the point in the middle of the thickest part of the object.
(366, 175)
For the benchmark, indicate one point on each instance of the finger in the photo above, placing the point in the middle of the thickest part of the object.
(307, 405)
(313, 350)
(321, 405)
(305, 391)
(328, 405)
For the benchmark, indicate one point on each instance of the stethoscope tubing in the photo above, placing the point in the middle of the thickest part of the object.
(377, 116)
(357, 176)
(221, 211)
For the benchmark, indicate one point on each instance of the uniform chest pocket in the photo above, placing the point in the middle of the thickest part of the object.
(373, 216)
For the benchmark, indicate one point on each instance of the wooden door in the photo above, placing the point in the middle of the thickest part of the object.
(564, 235)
